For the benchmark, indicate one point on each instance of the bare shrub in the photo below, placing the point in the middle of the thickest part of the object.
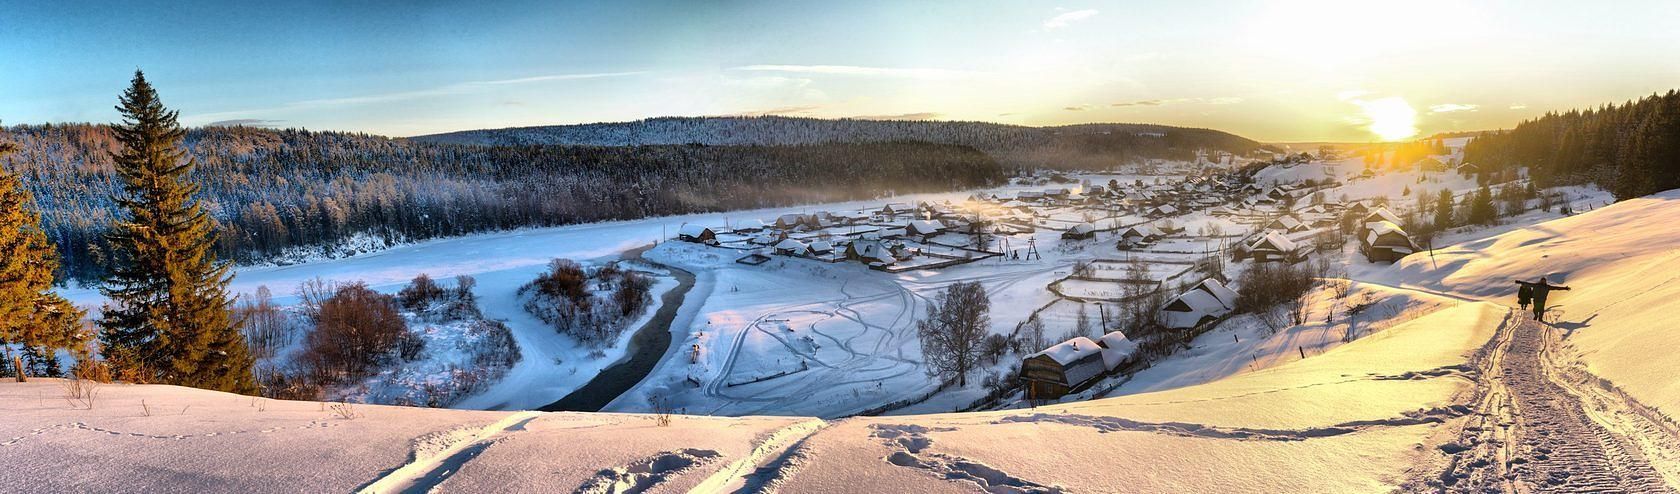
(311, 293)
(344, 410)
(265, 326)
(1264, 287)
(420, 293)
(631, 294)
(79, 393)
(357, 327)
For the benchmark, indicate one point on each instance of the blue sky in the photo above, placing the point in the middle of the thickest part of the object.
(1270, 69)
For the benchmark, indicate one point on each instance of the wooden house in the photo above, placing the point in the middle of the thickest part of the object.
(698, 234)
(1057, 370)
(1385, 242)
(1080, 231)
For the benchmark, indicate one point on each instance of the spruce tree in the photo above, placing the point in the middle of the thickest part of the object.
(1444, 210)
(1482, 210)
(31, 315)
(169, 318)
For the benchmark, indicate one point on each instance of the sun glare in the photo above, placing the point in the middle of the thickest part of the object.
(1391, 118)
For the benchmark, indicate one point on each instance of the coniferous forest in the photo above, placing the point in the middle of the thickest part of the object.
(1631, 149)
(271, 191)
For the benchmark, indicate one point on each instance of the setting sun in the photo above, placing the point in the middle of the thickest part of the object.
(1391, 118)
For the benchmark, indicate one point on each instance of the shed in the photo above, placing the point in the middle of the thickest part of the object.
(792, 247)
(1206, 302)
(924, 227)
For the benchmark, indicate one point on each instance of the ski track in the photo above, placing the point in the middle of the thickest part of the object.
(1531, 432)
(1107, 424)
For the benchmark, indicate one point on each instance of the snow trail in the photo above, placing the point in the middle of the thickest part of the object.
(774, 446)
(439, 455)
(1532, 431)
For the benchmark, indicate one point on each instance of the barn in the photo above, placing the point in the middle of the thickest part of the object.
(1080, 231)
(695, 233)
(1207, 301)
(1385, 242)
(924, 227)
(791, 247)
(1272, 246)
(1054, 372)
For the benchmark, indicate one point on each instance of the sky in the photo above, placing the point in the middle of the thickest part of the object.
(1271, 70)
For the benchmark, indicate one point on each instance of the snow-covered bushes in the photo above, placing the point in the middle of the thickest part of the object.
(426, 346)
(593, 307)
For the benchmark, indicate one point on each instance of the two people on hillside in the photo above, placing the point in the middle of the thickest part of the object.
(1535, 292)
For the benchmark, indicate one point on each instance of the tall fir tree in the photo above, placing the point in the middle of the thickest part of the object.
(31, 315)
(169, 318)
(1444, 210)
(1482, 210)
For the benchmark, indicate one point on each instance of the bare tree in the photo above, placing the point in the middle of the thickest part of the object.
(954, 329)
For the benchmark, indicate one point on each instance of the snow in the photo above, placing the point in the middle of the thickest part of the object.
(1070, 351)
(1620, 261)
(1116, 349)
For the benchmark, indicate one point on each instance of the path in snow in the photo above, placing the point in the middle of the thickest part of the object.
(647, 347)
(1535, 430)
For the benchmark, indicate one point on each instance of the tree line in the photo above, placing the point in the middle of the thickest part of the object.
(1631, 149)
(277, 193)
(1083, 146)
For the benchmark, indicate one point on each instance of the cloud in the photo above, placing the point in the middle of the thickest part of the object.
(1221, 100)
(1519, 107)
(785, 110)
(1077, 108)
(1451, 107)
(244, 122)
(1064, 19)
(446, 90)
(854, 70)
(1147, 102)
(902, 116)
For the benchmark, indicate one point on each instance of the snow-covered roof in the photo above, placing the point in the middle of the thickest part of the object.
(692, 230)
(1166, 209)
(924, 227)
(1375, 231)
(1144, 230)
(791, 245)
(822, 246)
(1116, 348)
(1070, 351)
(1274, 240)
(1224, 294)
(1083, 228)
(1381, 214)
(1286, 222)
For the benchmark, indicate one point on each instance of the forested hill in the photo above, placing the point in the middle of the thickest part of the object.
(1632, 149)
(274, 191)
(1072, 146)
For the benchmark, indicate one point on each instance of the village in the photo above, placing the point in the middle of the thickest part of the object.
(1173, 243)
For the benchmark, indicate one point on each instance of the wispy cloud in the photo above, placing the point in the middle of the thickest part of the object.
(1077, 108)
(1519, 107)
(446, 90)
(902, 116)
(854, 70)
(784, 111)
(1451, 107)
(1064, 19)
(1221, 100)
(244, 122)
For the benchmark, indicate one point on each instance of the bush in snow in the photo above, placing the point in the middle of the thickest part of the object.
(357, 328)
(593, 308)
(420, 293)
(1267, 286)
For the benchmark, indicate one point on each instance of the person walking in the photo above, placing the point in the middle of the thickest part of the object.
(1525, 293)
(1538, 291)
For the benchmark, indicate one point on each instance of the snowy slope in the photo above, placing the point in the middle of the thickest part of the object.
(1352, 419)
(1623, 263)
